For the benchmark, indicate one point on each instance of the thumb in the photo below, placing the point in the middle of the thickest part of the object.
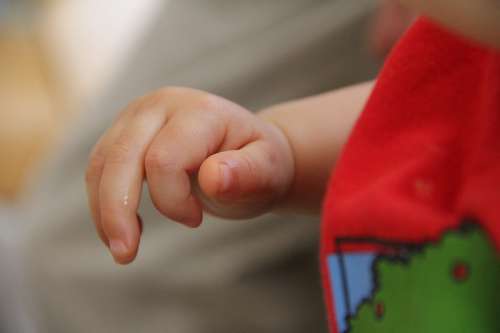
(244, 183)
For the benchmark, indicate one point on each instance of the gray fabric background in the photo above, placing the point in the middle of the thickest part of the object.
(14, 316)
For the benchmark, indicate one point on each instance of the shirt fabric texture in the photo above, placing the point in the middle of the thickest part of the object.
(417, 181)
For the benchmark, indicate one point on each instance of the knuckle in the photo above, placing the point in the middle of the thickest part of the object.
(169, 92)
(182, 99)
(207, 102)
(95, 166)
(119, 153)
(156, 160)
(191, 99)
(249, 166)
(152, 100)
(123, 115)
(156, 100)
(159, 97)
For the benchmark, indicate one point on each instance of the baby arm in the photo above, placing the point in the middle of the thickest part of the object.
(198, 151)
(317, 129)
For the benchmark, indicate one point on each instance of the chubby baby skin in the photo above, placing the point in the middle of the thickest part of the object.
(199, 152)
(170, 137)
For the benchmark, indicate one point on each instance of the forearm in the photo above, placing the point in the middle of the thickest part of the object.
(317, 129)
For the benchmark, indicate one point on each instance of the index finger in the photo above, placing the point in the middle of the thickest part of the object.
(121, 182)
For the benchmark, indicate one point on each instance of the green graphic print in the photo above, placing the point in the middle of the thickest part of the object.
(452, 286)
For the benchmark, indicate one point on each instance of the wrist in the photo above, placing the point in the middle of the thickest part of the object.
(289, 162)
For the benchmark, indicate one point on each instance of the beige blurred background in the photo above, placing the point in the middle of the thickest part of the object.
(28, 116)
(47, 71)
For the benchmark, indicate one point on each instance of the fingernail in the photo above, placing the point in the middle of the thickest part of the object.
(226, 177)
(118, 249)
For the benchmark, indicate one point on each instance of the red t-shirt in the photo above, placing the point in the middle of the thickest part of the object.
(411, 224)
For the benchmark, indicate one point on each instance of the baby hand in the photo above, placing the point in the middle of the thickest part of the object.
(195, 151)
